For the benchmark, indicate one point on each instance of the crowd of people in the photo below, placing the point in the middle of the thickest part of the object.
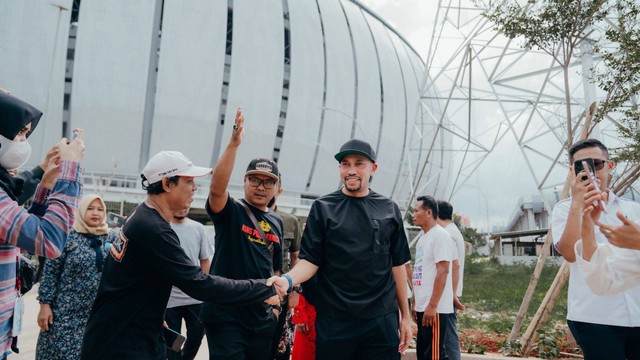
(339, 289)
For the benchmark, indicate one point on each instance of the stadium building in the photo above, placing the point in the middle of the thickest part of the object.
(151, 75)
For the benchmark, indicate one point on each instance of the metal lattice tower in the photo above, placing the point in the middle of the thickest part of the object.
(493, 95)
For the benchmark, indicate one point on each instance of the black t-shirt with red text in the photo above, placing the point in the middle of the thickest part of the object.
(240, 253)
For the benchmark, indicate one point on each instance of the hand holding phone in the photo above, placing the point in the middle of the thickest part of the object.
(578, 166)
(173, 339)
(591, 178)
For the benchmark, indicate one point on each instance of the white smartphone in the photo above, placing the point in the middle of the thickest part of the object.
(591, 178)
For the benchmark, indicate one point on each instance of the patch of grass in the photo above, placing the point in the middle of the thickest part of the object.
(498, 290)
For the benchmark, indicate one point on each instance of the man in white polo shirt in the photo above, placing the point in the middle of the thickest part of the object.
(605, 327)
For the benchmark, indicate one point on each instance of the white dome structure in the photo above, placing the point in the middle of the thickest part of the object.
(146, 76)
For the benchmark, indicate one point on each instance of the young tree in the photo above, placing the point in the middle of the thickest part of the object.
(619, 77)
(553, 26)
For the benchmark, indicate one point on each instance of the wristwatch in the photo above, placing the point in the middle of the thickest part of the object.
(298, 289)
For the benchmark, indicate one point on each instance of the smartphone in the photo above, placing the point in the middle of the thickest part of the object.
(173, 339)
(578, 166)
(595, 183)
(116, 220)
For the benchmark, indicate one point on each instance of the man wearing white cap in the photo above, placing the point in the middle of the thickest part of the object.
(127, 315)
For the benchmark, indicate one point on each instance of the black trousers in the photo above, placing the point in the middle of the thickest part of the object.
(606, 341)
(233, 339)
(195, 330)
(432, 339)
(371, 339)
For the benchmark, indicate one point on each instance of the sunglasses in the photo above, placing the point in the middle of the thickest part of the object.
(599, 164)
(255, 182)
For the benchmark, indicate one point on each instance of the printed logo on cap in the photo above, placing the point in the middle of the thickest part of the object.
(264, 166)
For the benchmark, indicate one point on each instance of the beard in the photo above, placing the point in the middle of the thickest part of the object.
(353, 188)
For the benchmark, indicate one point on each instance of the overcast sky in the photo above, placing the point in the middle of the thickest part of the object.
(484, 198)
(412, 18)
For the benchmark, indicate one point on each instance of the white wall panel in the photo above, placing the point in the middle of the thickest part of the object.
(368, 76)
(110, 81)
(340, 87)
(191, 67)
(32, 63)
(393, 126)
(305, 95)
(403, 187)
(255, 85)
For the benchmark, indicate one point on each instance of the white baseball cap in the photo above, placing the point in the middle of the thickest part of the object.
(171, 163)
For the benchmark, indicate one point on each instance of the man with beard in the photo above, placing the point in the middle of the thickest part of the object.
(354, 240)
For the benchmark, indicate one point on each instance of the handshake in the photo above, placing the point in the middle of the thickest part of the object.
(282, 285)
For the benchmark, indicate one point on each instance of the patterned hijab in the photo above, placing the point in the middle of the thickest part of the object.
(81, 226)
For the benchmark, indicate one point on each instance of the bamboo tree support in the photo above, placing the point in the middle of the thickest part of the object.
(522, 312)
(545, 308)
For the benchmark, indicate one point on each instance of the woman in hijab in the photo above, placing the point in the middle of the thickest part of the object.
(70, 282)
(42, 230)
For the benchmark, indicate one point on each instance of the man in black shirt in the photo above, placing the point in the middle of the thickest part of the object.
(127, 316)
(354, 240)
(242, 252)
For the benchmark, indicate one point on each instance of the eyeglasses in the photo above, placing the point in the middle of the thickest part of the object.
(255, 182)
(599, 164)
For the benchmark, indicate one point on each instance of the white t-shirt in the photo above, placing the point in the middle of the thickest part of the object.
(458, 240)
(433, 247)
(622, 309)
(198, 245)
(609, 272)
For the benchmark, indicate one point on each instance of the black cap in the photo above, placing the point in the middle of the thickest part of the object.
(15, 115)
(358, 147)
(263, 167)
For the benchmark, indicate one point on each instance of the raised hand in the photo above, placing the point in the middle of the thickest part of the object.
(74, 150)
(51, 173)
(238, 128)
(626, 235)
(50, 154)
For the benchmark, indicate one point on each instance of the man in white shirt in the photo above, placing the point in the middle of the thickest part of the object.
(199, 248)
(432, 283)
(605, 327)
(445, 219)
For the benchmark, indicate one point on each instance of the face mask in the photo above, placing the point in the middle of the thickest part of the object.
(13, 154)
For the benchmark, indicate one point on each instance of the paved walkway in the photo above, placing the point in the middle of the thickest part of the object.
(28, 339)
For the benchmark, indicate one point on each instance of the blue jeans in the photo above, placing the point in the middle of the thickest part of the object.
(451, 340)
